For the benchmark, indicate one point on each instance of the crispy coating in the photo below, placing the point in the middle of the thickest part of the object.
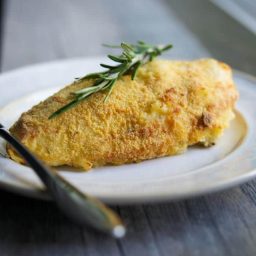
(169, 106)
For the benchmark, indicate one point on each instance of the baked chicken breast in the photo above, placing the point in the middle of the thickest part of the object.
(169, 106)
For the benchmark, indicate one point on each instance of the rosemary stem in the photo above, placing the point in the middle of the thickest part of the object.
(132, 57)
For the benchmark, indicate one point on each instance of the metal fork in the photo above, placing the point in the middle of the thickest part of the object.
(79, 207)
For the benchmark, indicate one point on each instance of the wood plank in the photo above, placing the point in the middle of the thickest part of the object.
(243, 11)
(184, 228)
(224, 37)
(33, 33)
(31, 227)
(154, 21)
(37, 31)
(1, 30)
(140, 239)
(233, 214)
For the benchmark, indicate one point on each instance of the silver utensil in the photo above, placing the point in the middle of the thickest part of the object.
(81, 208)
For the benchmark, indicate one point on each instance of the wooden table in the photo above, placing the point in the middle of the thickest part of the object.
(36, 31)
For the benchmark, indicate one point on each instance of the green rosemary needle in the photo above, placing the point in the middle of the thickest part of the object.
(132, 57)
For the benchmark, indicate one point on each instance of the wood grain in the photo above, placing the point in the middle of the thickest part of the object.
(219, 224)
(223, 36)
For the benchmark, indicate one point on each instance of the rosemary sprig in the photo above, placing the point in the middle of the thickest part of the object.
(132, 57)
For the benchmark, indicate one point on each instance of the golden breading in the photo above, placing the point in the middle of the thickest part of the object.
(168, 107)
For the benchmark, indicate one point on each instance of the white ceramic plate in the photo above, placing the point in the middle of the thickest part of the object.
(198, 171)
